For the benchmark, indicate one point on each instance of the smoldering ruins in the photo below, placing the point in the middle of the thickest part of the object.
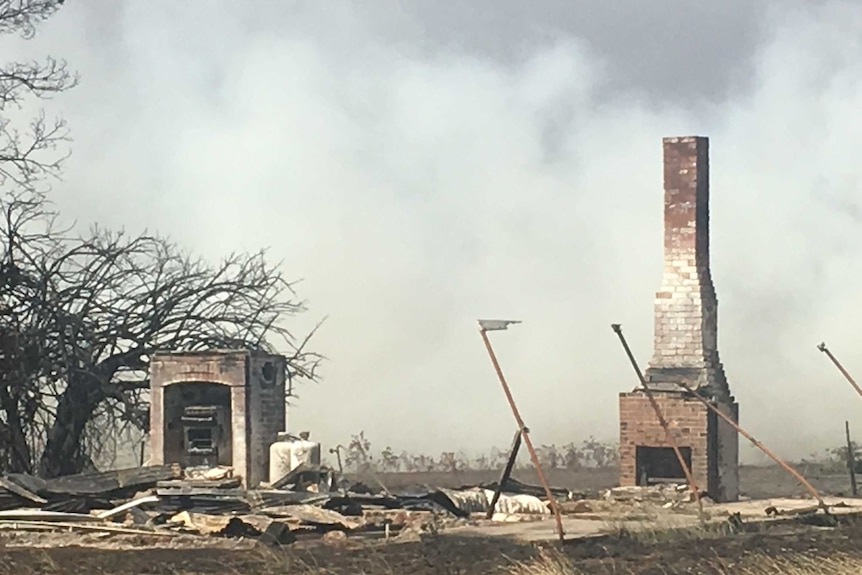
(224, 465)
(218, 408)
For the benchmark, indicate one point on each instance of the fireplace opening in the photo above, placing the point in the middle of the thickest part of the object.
(200, 441)
(201, 424)
(660, 465)
(197, 424)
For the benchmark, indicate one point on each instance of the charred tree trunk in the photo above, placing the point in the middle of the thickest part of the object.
(63, 454)
(18, 458)
(13, 430)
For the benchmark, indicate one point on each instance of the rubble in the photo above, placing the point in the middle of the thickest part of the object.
(668, 494)
(83, 492)
(310, 501)
(575, 507)
(316, 516)
(477, 500)
(167, 507)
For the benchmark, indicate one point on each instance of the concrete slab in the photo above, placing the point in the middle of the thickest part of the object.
(604, 521)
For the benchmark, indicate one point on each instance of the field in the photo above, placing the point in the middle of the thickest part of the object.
(794, 546)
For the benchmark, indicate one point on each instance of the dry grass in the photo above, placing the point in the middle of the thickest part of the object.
(671, 532)
(548, 562)
(652, 526)
(842, 564)
(669, 546)
(552, 562)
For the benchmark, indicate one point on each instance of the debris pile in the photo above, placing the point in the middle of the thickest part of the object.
(310, 501)
(478, 500)
(667, 495)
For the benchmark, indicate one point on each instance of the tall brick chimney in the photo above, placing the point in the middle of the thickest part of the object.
(686, 347)
(686, 308)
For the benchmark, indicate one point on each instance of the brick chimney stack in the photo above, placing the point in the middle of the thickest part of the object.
(686, 348)
(686, 307)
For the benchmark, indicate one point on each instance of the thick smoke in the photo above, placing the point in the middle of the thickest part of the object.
(424, 168)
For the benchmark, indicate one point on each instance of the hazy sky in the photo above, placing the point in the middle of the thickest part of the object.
(422, 164)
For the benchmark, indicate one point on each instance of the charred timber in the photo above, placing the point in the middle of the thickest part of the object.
(103, 484)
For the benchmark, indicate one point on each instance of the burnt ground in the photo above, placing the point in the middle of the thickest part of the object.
(652, 552)
(755, 482)
(657, 553)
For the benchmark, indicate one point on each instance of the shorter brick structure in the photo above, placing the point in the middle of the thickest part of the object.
(217, 408)
(708, 445)
(686, 348)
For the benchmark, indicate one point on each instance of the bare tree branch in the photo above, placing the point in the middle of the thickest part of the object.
(22, 16)
(30, 150)
(40, 79)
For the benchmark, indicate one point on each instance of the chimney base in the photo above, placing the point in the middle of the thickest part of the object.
(709, 444)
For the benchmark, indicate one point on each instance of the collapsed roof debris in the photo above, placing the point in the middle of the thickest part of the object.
(308, 501)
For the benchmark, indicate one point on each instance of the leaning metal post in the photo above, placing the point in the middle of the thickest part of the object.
(822, 347)
(618, 329)
(759, 445)
(524, 433)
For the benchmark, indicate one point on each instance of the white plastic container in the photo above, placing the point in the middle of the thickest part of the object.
(288, 453)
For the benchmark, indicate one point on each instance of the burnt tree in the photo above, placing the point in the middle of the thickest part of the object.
(30, 156)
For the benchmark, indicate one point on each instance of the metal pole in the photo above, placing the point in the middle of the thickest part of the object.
(851, 460)
(655, 406)
(337, 451)
(822, 347)
(507, 471)
(759, 445)
(525, 434)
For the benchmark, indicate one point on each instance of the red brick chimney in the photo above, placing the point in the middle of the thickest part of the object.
(686, 347)
(686, 308)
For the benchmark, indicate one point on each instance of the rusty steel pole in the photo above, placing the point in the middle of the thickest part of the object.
(822, 347)
(851, 461)
(798, 476)
(618, 329)
(525, 433)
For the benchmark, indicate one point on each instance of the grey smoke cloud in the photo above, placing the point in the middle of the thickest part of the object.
(422, 167)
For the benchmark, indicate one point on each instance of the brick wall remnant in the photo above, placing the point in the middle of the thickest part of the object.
(248, 388)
